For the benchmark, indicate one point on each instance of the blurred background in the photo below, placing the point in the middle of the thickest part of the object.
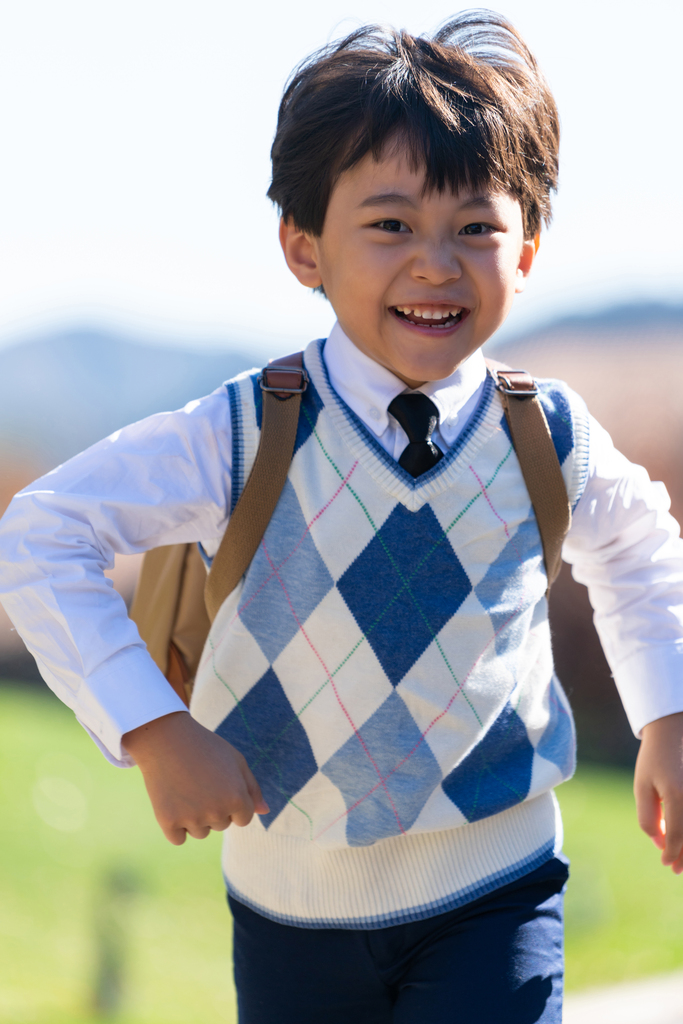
(139, 268)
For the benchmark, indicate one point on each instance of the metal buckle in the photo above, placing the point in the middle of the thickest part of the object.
(301, 374)
(506, 389)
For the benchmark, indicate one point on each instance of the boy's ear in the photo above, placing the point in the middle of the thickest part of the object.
(300, 254)
(526, 261)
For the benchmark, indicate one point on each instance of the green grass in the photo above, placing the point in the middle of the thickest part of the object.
(624, 911)
(87, 882)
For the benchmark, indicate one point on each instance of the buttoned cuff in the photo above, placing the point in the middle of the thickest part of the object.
(650, 683)
(126, 691)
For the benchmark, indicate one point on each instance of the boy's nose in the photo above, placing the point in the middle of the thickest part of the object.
(437, 264)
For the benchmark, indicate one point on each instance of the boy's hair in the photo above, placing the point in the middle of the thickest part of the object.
(470, 106)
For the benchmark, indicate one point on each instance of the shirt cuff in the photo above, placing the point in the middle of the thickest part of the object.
(126, 691)
(125, 761)
(650, 683)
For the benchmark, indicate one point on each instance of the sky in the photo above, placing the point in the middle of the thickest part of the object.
(136, 137)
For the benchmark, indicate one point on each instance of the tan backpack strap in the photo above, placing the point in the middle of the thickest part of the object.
(282, 382)
(538, 460)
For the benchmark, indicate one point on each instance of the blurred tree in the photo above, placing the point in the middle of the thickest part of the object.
(111, 932)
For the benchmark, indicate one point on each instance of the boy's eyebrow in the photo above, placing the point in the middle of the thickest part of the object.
(400, 198)
(477, 201)
(380, 198)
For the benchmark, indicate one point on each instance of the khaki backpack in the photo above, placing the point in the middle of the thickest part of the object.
(176, 601)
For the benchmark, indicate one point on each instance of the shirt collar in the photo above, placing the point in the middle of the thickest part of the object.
(368, 388)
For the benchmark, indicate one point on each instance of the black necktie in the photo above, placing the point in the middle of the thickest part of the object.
(419, 417)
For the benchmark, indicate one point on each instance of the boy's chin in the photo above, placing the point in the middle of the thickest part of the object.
(414, 374)
(425, 366)
(416, 359)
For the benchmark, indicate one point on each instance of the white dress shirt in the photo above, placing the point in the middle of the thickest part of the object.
(369, 388)
(167, 480)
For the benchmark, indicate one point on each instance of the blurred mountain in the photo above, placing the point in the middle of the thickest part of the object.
(60, 393)
(652, 320)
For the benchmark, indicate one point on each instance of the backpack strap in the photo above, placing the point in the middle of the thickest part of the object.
(282, 382)
(538, 460)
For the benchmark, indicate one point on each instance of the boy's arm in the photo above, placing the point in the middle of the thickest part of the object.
(163, 480)
(626, 548)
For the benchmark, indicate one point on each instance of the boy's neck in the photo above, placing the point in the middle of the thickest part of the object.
(369, 387)
(408, 382)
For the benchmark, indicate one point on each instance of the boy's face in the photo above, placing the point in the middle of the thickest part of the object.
(418, 281)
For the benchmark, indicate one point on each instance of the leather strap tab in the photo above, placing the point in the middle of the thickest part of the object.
(261, 493)
(284, 377)
(516, 382)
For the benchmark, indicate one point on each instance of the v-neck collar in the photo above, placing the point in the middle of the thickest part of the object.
(364, 446)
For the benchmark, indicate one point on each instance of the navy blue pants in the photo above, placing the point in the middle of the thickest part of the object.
(496, 960)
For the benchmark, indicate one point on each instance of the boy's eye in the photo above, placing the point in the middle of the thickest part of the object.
(391, 225)
(476, 229)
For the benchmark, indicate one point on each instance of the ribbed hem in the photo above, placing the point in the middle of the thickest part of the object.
(406, 878)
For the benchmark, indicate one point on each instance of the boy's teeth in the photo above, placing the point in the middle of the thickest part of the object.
(428, 313)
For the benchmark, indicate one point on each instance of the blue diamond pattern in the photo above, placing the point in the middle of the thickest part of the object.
(265, 728)
(557, 742)
(388, 737)
(497, 773)
(272, 619)
(500, 591)
(401, 621)
(559, 416)
(311, 407)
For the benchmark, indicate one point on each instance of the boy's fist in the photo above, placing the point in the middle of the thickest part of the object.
(197, 782)
(658, 787)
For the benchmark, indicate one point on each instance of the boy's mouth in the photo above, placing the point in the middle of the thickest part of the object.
(433, 317)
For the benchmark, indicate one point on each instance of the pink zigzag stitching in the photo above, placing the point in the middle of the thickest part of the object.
(490, 504)
(459, 689)
(317, 516)
(336, 692)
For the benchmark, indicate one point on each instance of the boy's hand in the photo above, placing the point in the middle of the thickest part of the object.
(659, 780)
(196, 780)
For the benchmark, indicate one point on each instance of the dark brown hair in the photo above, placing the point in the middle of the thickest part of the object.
(470, 106)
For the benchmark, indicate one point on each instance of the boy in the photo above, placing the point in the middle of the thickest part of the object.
(379, 690)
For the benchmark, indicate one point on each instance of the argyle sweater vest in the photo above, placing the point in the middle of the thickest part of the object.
(385, 668)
